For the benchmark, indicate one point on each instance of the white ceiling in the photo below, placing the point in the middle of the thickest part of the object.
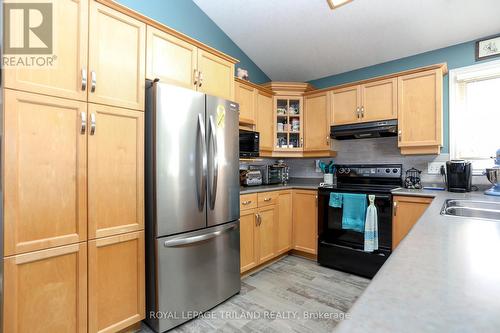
(301, 40)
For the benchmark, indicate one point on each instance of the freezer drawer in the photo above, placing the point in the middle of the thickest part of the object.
(195, 272)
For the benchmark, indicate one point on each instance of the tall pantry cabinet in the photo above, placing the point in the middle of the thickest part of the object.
(73, 179)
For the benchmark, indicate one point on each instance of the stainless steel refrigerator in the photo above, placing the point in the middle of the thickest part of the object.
(192, 203)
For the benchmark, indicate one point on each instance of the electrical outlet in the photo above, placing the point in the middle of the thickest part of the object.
(316, 163)
(434, 168)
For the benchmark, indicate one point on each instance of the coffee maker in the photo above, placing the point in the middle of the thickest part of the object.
(459, 176)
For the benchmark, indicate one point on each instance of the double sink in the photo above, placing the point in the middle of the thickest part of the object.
(471, 208)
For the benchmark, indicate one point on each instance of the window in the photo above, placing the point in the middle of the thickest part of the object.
(475, 114)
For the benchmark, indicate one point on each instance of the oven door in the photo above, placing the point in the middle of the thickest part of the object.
(330, 222)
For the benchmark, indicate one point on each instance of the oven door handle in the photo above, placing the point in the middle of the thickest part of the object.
(377, 196)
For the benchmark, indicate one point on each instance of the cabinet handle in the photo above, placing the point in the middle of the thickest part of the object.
(84, 79)
(267, 199)
(399, 135)
(201, 79)
(93, 79)
(327, 140)
(195, 73)
(362, 112)
(92, 123)
(395, 207)
(257, 219)
(246, 202)
(302, 142)
(357, 112)
(84, 122)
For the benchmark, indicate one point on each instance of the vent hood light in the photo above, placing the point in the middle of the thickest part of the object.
(334, 4)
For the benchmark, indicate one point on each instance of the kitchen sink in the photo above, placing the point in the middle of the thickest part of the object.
(471, 208)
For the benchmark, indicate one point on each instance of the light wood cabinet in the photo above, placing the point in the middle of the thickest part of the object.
(216, 75)
(317, 122)
(345, 105)
(170, 59)
(406, 212)
(45, 172)
(245, 96)
(46, 291)
(379, 100)
(116, 282)
(371, 101)
(249, 255)
(267, 220)
(117, 52)
(305, 221)
(265, 120)
(64, 77)
(115, 171)
(284, 228)
(420, 109)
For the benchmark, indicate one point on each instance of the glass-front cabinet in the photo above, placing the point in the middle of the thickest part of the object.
(288, 127)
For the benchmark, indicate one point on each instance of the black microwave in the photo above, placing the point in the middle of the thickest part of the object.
(249, 143)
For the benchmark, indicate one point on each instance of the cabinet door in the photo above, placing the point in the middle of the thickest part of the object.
(420, 108)
(116, 282)
(216, 75)
(115, 171)
(70, 39)
(46, 291)
(265, 122)
(345, 103)
(305, 221)
(317, 122)
(170, 59)
(406, 212)
(268, 219)
(379, 100)
(248, 240)
(117, 52)
(45, 172)
(284, 229)
(245, 97)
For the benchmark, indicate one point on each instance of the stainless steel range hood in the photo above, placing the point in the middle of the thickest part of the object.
(374, 129)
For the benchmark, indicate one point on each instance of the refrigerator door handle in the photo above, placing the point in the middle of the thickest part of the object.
(196, 239)
(213, 133)
(204, 162)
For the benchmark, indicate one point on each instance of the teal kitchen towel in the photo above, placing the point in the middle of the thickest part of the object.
(335, 200)
(354, 211)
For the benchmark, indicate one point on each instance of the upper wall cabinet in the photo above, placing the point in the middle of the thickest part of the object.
(265, 121)
(175, 61)
(317, 122)
(245, 97)
(116, 58)
(420, 104)
(371, 101)
(170, 59)
(66, 77)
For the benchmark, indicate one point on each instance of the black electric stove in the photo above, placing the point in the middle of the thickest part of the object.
(342, 249)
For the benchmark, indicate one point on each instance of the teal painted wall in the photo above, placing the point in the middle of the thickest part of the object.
(455, 56)
(185, 16)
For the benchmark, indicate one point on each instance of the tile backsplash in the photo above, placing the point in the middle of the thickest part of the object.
(373, 151)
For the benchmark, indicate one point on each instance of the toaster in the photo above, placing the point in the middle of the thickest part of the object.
(250, 177)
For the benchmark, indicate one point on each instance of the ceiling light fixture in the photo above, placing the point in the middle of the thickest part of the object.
(334, 4)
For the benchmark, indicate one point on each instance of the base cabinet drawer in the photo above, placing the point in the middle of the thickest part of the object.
(116, 282)
(46, 291)
(248, 201)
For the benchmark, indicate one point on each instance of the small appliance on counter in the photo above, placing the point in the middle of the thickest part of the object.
(278, 173)
(459, 176)
(413, 179)
(493, 175)
(250, 177)
(249, 144)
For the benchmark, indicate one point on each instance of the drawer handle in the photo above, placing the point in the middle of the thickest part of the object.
(267, 199)
(246, 202)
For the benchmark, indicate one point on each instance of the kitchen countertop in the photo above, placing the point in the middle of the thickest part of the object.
(443, 277)
(293, 183)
